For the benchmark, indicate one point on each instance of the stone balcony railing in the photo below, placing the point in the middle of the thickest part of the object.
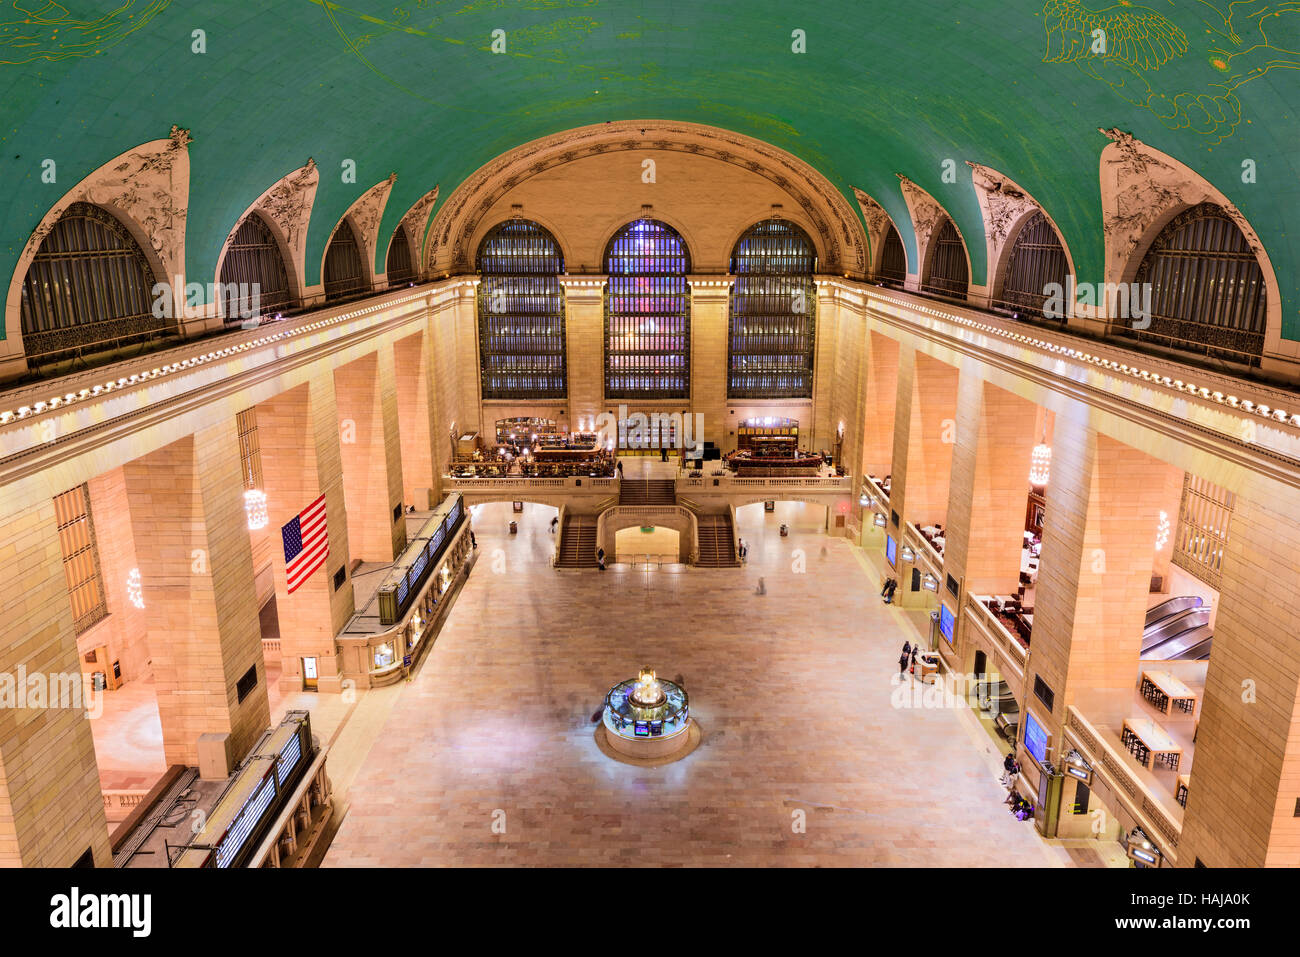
(1111, 764)
(1011, 655)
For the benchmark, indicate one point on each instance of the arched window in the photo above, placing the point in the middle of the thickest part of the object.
(948, 275)
(399, 267)
(772, 324)
(893, 259)
(253, 279)
(647, 313)
(345, 276)
(1037, 261)
(88, 289)
(1207, 290)
(521, 313)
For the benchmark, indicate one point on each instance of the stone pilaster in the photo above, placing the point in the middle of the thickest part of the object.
(196, 570)
(584, 330)
(710, 354)
(301, 459)
(419, 427)
(51, 811)
(370, 447)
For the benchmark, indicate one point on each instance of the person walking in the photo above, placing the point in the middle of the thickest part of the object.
(600, 559)
(620, 468)
(472, 540)
(555, 520)
(902, 663)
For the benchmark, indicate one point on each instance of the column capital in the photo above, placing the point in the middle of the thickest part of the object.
(583, 288)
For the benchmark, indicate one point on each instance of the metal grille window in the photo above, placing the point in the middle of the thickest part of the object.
(772, 326)
(893, 259)
(80, 557)
(88, 289)
(399, 267)
(948, 274)
(250, 449)
(521, 313)
(1203, 521)
(1037, 261)
(647, 313)
(345, 276)
(254, 281)
(1207, 290)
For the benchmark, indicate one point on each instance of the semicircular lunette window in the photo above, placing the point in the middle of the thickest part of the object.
(948, 274)
(254, 281)
(399, 266)
(1206, 287)
(345, 276)
(893, 260)
(89, 289)
(647, 313)
(772, 323)
(1037, 262)
(521, 313)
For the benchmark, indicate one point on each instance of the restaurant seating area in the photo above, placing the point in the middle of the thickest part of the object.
(1012, 615)
(934, 534)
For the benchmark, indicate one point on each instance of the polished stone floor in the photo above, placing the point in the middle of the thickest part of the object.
(487, 756)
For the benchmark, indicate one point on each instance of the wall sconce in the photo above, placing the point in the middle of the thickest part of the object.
(878, 520)
(1162, 532)
(865, 502)
(929, 582)
(909, 555)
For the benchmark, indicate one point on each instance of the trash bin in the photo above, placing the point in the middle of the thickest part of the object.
(98, 681)
(785, 530)
(514, 528)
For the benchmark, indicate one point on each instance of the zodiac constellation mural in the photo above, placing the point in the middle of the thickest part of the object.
(44, 30)
(1248, 40)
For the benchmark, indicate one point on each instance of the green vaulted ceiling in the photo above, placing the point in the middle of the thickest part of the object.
(413, 86)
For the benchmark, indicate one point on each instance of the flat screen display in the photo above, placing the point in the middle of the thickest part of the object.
(641, 728)
(1035, 738)
(946, 622)
(656, 728)
(891, 551)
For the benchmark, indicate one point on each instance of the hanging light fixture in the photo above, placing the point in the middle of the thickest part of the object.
(255, 508)
(133, 589)
(1040, 465)
(1162, 531)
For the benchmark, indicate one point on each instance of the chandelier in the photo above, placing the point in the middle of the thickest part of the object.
(133, 589)
(255, 508)
(1040, 465)
(1162, 532)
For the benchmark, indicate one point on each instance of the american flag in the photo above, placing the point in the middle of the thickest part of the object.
(306, 543)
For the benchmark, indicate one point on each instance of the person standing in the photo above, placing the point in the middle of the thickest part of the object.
(902, 663)
(620, 468)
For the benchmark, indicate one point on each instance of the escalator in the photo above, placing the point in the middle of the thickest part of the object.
(1173, 606)
(995, 698)
(1182, 632)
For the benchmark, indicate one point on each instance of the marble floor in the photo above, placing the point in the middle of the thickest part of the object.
(487, 756)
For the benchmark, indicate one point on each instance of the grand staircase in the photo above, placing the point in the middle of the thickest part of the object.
(717, 542)
(647, 492)
(578, 542)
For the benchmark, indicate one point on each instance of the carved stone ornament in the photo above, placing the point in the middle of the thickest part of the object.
(288, 204)
(416, 221)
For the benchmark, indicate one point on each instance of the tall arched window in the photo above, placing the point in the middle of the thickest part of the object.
(399, 267)
(893, 259)
(948, 274)
(345, 276)
(88, 289)
(521, 313)
(253, 278)
(1037, 261)
(1207, 290)
(772, 324)
(647, 313)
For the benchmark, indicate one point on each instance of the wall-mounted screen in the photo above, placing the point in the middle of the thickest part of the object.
(947, 621)
(1035, 738)
(891, 551)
